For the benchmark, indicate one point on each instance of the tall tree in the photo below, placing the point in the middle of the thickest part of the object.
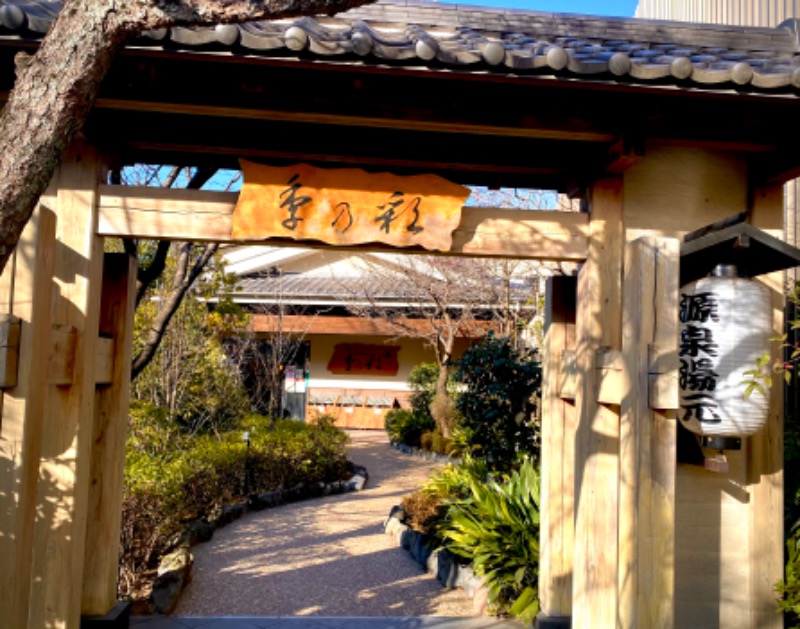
(56, 88)
(452, 297)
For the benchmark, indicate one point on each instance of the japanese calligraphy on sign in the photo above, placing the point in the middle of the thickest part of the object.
(698, 353)
(347, 206)
(361, 359)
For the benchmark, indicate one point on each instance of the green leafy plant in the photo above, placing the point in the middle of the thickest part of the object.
(497, 528)
(167, 487)
(404, 426)
(498, 404)
(789, 589)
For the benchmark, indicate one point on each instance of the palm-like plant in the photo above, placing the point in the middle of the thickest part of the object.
(497, 528)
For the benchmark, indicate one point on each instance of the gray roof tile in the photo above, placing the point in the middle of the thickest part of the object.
(491, 39)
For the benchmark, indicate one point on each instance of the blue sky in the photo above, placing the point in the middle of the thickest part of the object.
(621, 8)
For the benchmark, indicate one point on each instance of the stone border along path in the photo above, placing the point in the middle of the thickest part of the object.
(324, 557)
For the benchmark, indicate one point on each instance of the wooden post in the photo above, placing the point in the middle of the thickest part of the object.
(64, 478)
(765, 449)
(647, 439)
(110, 429)
(598, 325)
(27, 292)
(558, 456)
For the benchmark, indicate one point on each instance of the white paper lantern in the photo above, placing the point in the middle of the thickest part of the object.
(725, 326)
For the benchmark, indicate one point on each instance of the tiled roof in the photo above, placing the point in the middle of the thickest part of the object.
(463, 38)
(301, 289)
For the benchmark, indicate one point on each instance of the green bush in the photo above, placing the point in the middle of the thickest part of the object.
(166, 488)
(422, 381)
(789, 588)
(426, 509)
(497, 529)
(498, 402)
(404, 426)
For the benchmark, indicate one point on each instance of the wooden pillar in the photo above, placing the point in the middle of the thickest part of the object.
(110, 430)
(26, 286)
(765, 450)
(648, 437)
(598, 325)
(558, 457)
(64, 478)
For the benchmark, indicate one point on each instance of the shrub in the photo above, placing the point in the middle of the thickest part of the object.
(497, 528)
(426, 509)
(497, 405)
(789, 588)
(165, 489)
(422, 381)
(403, 426)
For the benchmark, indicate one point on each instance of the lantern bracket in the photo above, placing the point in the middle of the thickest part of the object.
(733, 241)
(721, 443)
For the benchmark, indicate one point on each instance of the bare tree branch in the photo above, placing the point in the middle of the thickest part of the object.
(56, 88)
(185, 275)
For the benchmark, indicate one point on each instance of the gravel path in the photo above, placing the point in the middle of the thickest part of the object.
(323, 557)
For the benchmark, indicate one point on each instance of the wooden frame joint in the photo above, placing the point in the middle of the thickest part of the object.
(10, 327)
(662, 377)
(609, 365)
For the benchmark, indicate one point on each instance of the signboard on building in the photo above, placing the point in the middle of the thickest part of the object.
(347, 206)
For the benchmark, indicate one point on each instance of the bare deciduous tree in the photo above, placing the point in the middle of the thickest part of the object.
(452, 298)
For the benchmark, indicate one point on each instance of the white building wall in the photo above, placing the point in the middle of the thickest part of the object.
(740, 12)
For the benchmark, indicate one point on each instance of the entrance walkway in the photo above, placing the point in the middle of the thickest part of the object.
(327, 560)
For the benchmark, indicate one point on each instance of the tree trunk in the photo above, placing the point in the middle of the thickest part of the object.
(56, 88)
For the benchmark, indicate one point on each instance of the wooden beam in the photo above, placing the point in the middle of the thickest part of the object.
(663, 377)
(310, 324)
(27, 283)
(101, 560)
(131, 212)
(609, 368)
(567, 375)
(536, 131)
(10, 326)
(60, 536)
(558, 454)
(624, 154)
(648, 439)
(598, 325)
(765, 469)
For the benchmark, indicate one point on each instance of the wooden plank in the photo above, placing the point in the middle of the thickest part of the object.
(60, 535)
(598, 325)
(765, 464)
(110, 430)
(132, 212)
(311, 324)
(609, 366)
(22, 423)
(61, 360)
(104, 362)
(557, 464)
(647, 439)
(662, 374)
(567, 375)
(9, 350)
(548, 130)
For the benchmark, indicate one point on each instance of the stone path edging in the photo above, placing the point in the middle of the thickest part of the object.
(175, 566)
(441, 563)
(423, 454)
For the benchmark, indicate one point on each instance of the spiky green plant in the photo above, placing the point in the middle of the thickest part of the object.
(497, 528)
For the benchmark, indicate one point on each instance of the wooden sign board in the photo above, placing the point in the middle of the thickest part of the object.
(361, 359)
(347, 206)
